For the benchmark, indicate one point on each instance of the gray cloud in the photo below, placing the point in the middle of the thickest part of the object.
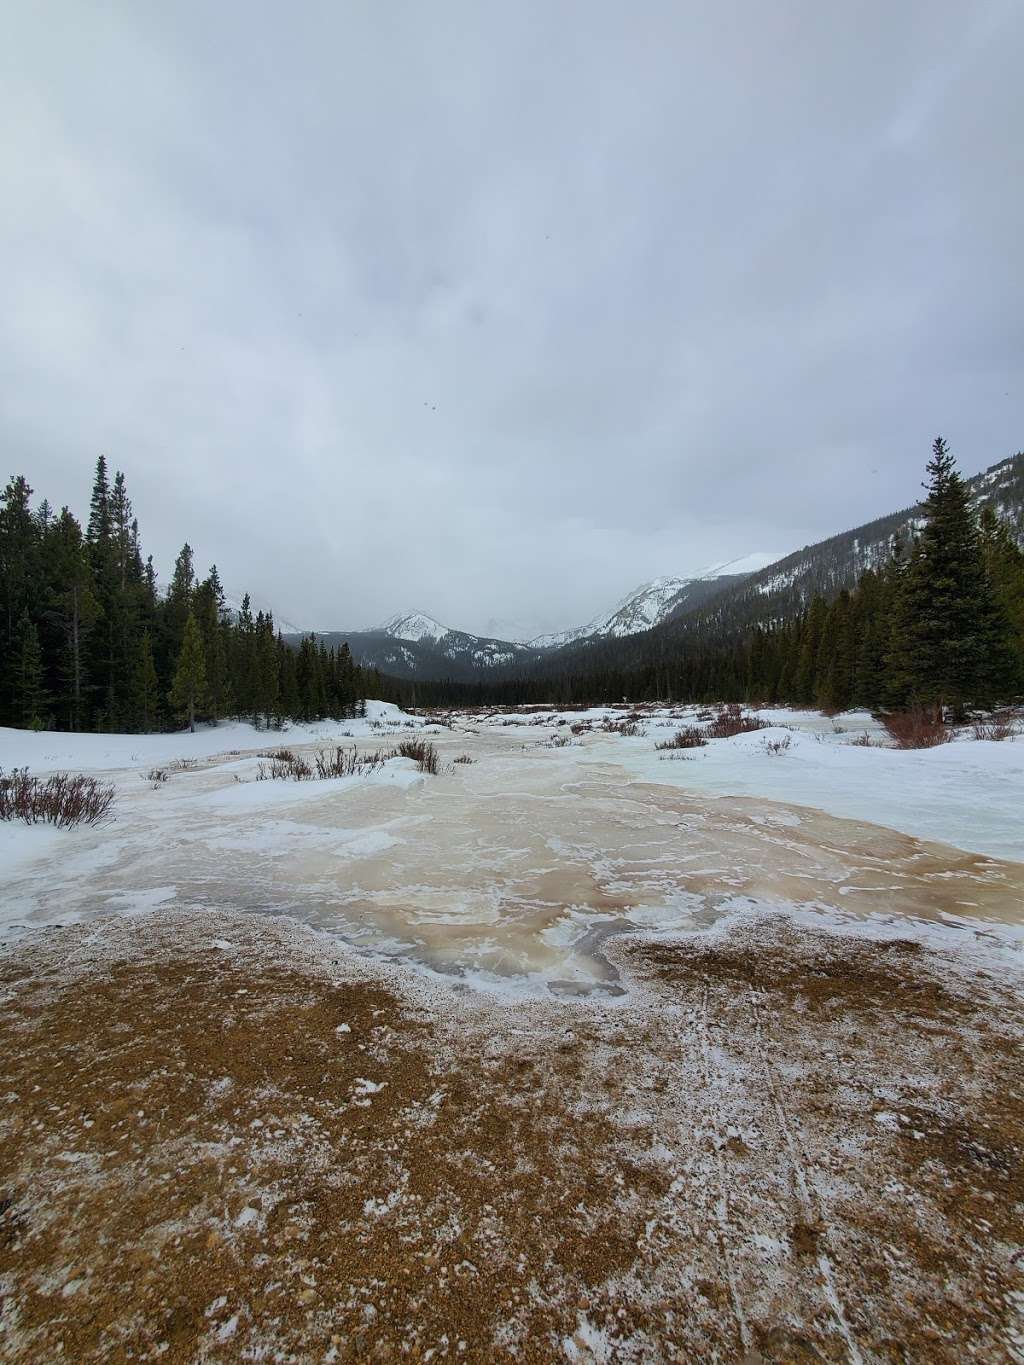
(497, 311)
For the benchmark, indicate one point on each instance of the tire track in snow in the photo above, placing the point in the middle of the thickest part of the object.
(721, 1201)
(811, 1206)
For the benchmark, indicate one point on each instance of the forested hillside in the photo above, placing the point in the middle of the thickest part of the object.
(923, 607)
(89, 641)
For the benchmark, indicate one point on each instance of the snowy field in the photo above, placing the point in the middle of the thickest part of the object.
(581, 1051)
(513, 870)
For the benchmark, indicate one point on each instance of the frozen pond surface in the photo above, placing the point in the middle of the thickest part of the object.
(509, 871)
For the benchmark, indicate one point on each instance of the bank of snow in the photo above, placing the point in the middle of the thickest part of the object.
(969, 793)
(46, 750)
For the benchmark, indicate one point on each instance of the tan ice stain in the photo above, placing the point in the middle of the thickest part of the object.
(521, 864)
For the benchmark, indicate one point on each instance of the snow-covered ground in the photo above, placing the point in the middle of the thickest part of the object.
(573, 1048)
(968, 793)
(514, 870)
(47, 750)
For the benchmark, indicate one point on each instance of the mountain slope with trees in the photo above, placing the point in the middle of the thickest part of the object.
(922, 608)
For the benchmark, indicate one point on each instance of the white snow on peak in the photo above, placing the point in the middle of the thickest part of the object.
(747, 564)
(648, 604)
(639, 610)
(413, 625)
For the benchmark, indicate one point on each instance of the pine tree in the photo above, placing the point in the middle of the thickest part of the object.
(806, 677)
(20, 539)
(30, 698)
(74, 608)
(145, 684)
(209, 612)
(949, 634)
(837, 657)
(189, 686)
(98, 530)
(1004, 563)
(267, 683)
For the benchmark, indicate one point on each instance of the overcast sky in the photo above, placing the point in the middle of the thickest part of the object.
(496, 311)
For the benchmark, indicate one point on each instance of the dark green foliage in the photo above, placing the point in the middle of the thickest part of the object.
(939, 624)
(29, 691)
(942, 624)
(188, 691)
(86, 642)
(949, 642)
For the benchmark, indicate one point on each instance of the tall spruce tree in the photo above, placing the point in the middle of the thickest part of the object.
(189, 686)
(145, 685)
(949, 634)
(1004, 563)
(30, 697)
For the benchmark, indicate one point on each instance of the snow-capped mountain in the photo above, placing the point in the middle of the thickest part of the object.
(650, 603)
(415, 625)
(413, 644)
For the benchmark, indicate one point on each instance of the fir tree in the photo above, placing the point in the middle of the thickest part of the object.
(30, 697)
(1004, 563)
(949, 635)
(145, 684)
(98, 531)
(74, 609)
(189, 686)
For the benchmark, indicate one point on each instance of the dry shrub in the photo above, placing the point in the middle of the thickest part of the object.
(63, 800)
(863, 741)
(998, 727)
(731, 721)
(917, 728)
(425, 755)
(347, 762)
(630, 726)
(777, 747)
(689, 738)
(284, 766)
(464, 758)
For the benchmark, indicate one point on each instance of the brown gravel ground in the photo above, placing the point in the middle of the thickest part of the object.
(784, 1146)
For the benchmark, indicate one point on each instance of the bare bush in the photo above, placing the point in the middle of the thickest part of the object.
(282, 755)
(63, 799)
(863, 741)
(688, 738)
(464, 758)
(184, 765)
(628, 727)
(997, 728)
(917, 728)
(348, 762)
(156, 776)
(731, 721)
(424, 754)
(776, 747)
(285, 766)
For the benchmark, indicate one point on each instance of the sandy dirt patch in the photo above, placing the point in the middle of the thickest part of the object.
(225, 1138)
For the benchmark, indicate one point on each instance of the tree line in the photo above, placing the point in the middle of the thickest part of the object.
(941, 625)
(89, 642)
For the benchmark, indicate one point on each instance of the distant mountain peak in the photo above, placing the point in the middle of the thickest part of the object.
(413, 625)
(649, 604)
